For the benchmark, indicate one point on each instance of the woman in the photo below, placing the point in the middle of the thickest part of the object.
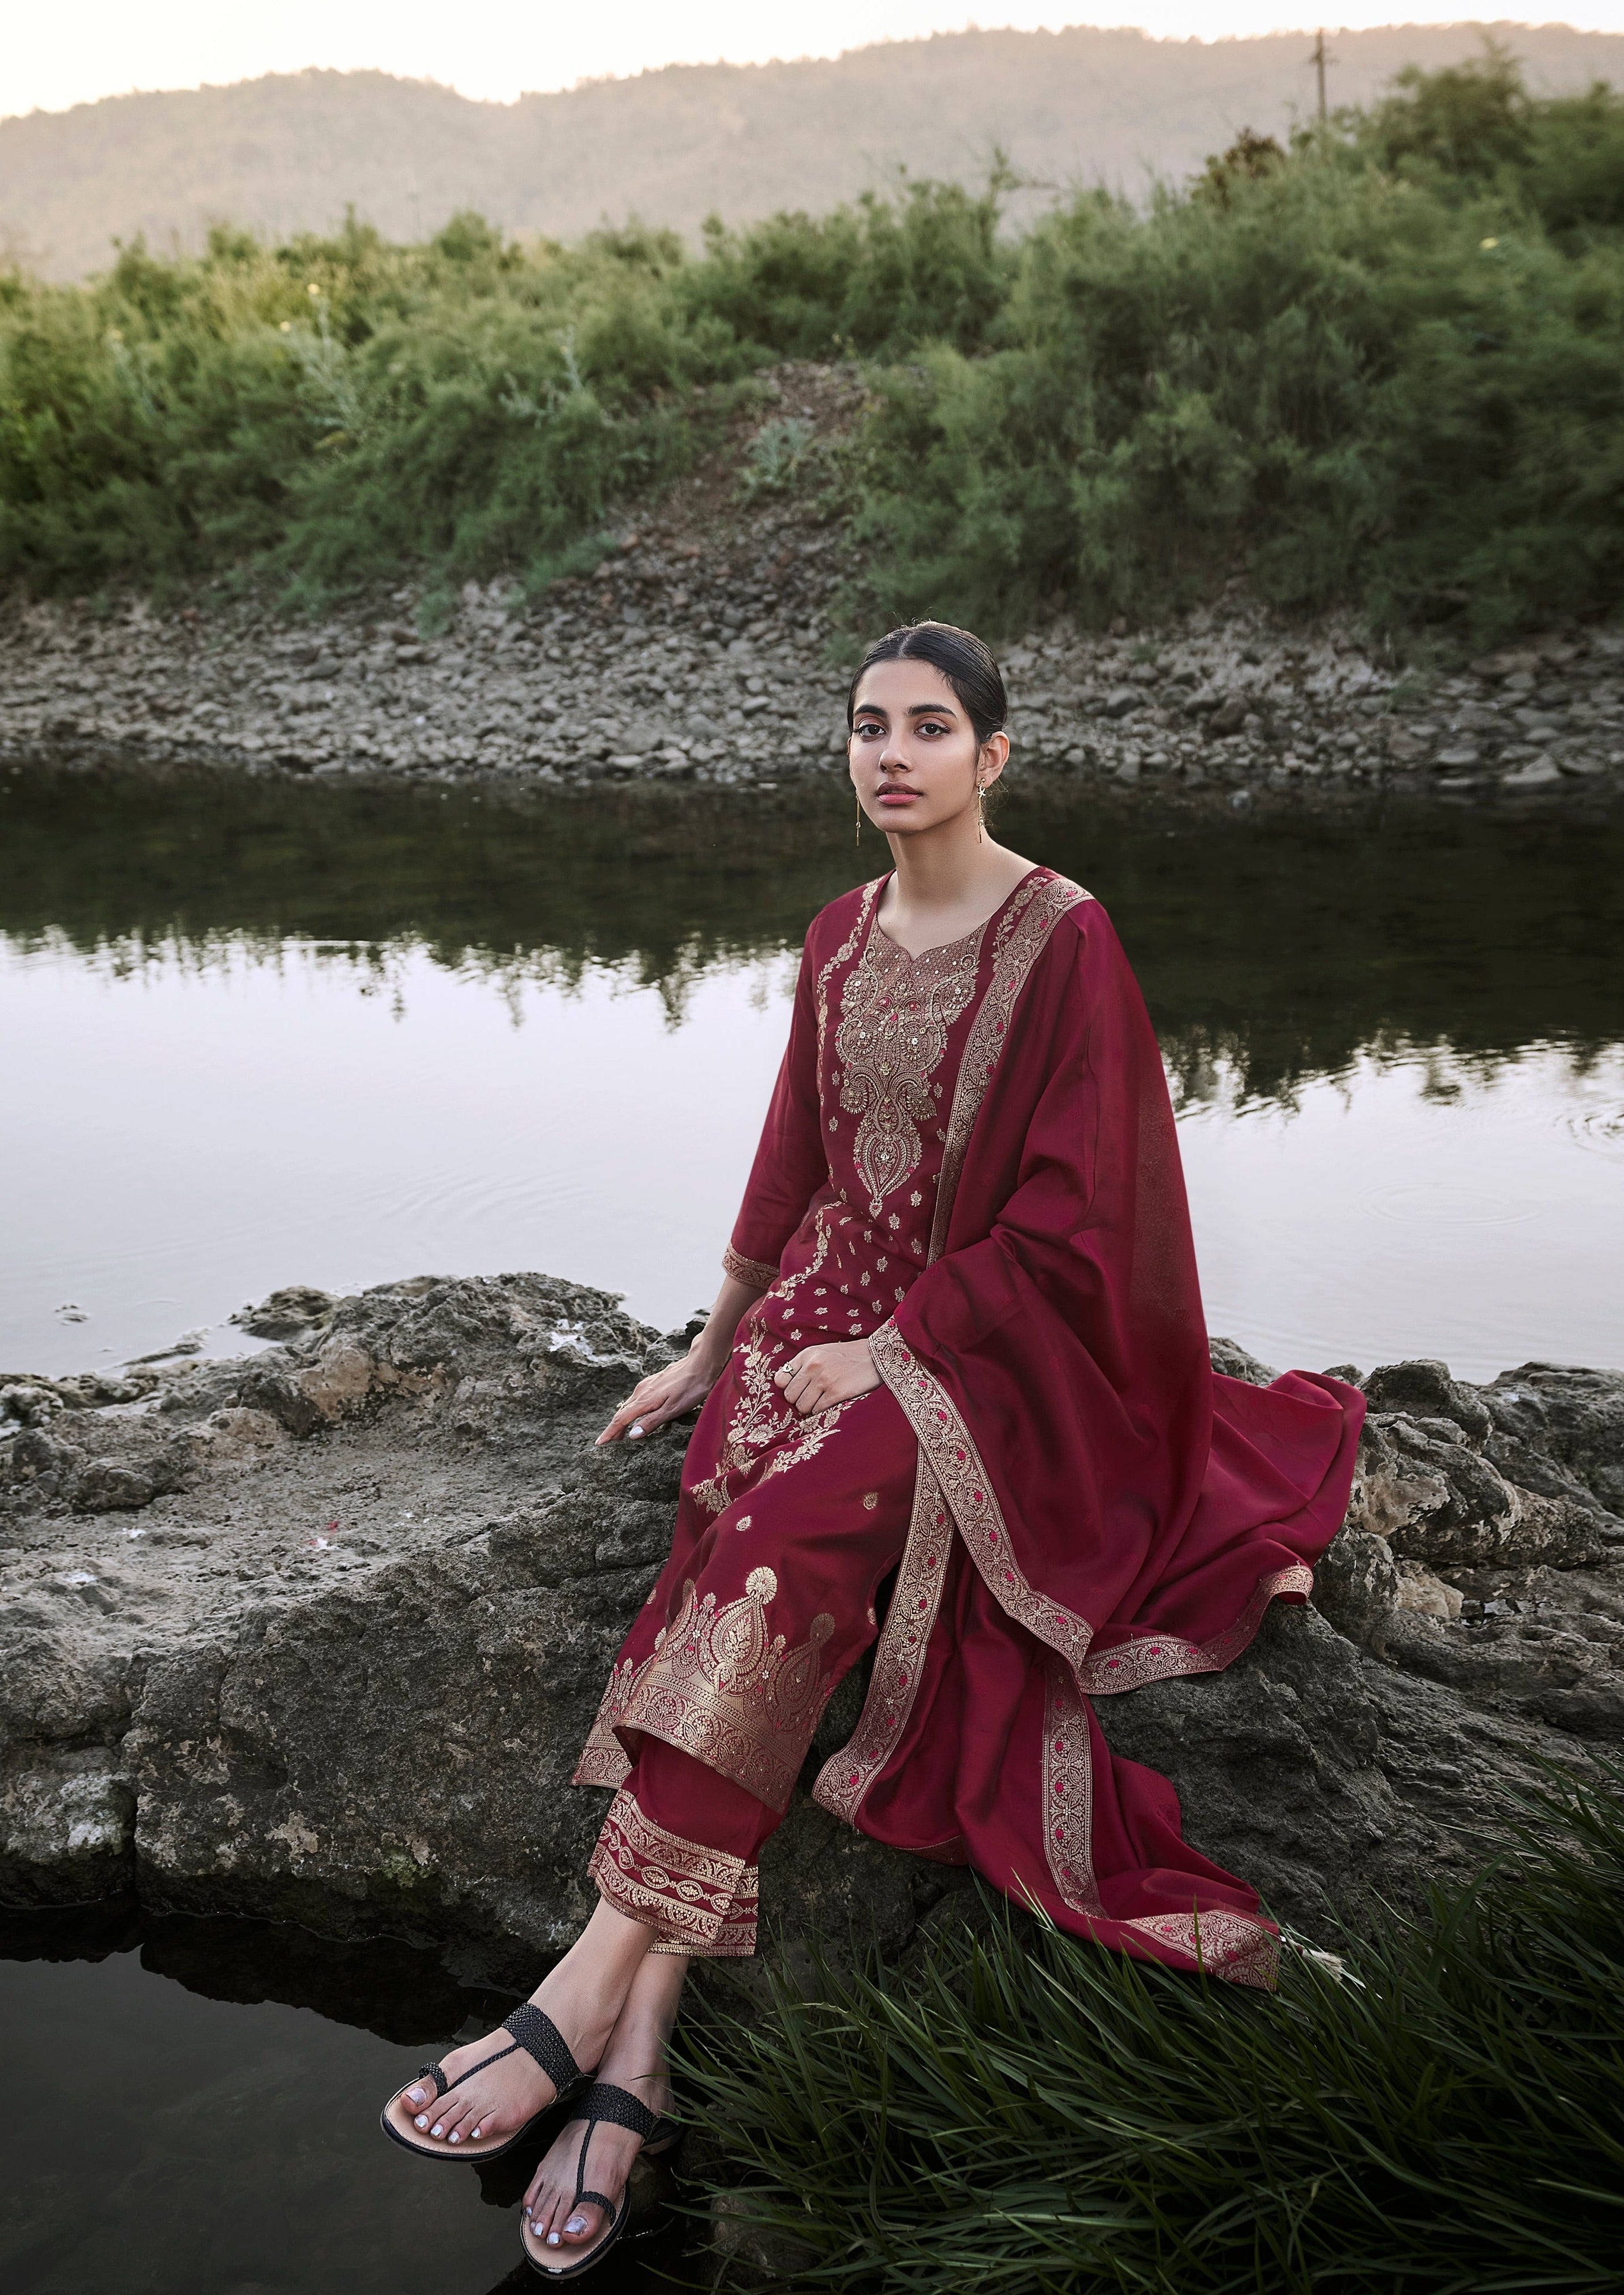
(957, 1370)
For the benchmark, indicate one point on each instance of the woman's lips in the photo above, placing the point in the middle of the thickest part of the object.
(897, 796)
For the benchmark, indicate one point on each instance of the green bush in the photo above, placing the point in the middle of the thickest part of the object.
(1024, 2112)
(1388, 370)
(1384, 368)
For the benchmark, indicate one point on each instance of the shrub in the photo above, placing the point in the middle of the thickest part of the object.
(1384, 368)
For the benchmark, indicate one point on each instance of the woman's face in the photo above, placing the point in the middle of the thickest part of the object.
(913, 752)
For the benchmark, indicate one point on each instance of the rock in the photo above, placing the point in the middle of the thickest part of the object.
(1427, 1389)
(1356, 1585)
(1425, 1595)
(1571, 1421)
(212, 1689)
(286, 1313)
(1333, 1782)
(1232, 1359)
(1121, 702)
(68, 1830)
(1541, 774)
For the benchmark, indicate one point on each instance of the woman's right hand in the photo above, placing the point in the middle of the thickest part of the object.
(663, 1394)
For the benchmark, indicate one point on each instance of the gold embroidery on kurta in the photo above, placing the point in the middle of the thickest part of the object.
(755, 1272)
(895, 1014)
(719, 1686)
(762, 1417)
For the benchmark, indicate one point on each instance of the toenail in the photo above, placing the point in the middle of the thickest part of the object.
(456, 2135)
(552, 2238)
(576, 2224)
(473, 2136)
(414, 2096)
(421, 2120)
(438, 2129)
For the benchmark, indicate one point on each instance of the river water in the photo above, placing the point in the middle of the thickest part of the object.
(202, 2119)
(262, 1032)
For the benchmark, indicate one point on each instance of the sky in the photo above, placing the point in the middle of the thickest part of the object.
(498, 49)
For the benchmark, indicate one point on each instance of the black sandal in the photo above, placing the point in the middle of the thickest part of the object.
(534, 2031)
(660, 2136)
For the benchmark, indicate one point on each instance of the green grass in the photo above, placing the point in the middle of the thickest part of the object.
(1383, 369)
(1020, 2111)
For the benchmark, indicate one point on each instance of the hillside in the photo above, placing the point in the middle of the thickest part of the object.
(287, 154)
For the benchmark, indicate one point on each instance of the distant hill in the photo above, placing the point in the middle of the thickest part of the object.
(286, 153)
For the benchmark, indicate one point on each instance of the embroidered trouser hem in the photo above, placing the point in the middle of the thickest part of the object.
(678, 1852)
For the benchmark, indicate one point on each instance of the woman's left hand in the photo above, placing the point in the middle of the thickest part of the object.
(818, 1377)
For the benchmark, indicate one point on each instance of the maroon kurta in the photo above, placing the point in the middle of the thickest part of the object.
(969, 1160)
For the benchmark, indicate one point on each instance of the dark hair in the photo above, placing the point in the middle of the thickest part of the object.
(963, 660)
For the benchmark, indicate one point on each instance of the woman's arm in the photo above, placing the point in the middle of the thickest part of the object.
(668, 1393)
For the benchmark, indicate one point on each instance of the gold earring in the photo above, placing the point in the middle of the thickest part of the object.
(859, 820)
(981, 811)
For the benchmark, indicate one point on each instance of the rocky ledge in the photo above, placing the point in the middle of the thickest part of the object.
(700, 650)
(316, 1633)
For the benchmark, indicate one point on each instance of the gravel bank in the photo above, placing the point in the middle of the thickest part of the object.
(700, 650)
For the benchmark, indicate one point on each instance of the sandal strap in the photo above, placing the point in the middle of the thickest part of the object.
(604, 2100)
(536, 2033)
(611, 2208)
(436, 2073)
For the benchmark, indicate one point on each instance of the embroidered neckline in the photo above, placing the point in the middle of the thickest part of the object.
(949, 947)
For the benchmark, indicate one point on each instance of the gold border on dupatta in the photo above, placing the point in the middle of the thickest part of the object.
(1217, 1942)
(1163, 1657)
(1035, 909)
(846, 1775)
(955, 1463)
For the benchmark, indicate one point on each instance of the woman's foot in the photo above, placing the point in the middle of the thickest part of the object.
(583, 1996)
(558, 2227)
(557, 2231)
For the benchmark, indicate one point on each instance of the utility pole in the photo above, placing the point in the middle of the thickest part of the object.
(1320, 60)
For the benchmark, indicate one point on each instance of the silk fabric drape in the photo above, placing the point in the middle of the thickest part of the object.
(970, 1160)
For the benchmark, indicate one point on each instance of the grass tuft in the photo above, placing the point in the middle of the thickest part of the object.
(1019, 2112)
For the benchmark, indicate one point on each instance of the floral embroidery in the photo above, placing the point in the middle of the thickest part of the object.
(1021, 934)
(762, 1419)
(896, 1012)
(845, 1777)
(719, 1687)
(697, 1899)
(1159, 1657)
(955, 1463)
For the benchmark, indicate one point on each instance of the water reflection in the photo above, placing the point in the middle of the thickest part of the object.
(268, 1031)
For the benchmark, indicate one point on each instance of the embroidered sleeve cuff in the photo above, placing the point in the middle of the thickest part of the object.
(755, 1272)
